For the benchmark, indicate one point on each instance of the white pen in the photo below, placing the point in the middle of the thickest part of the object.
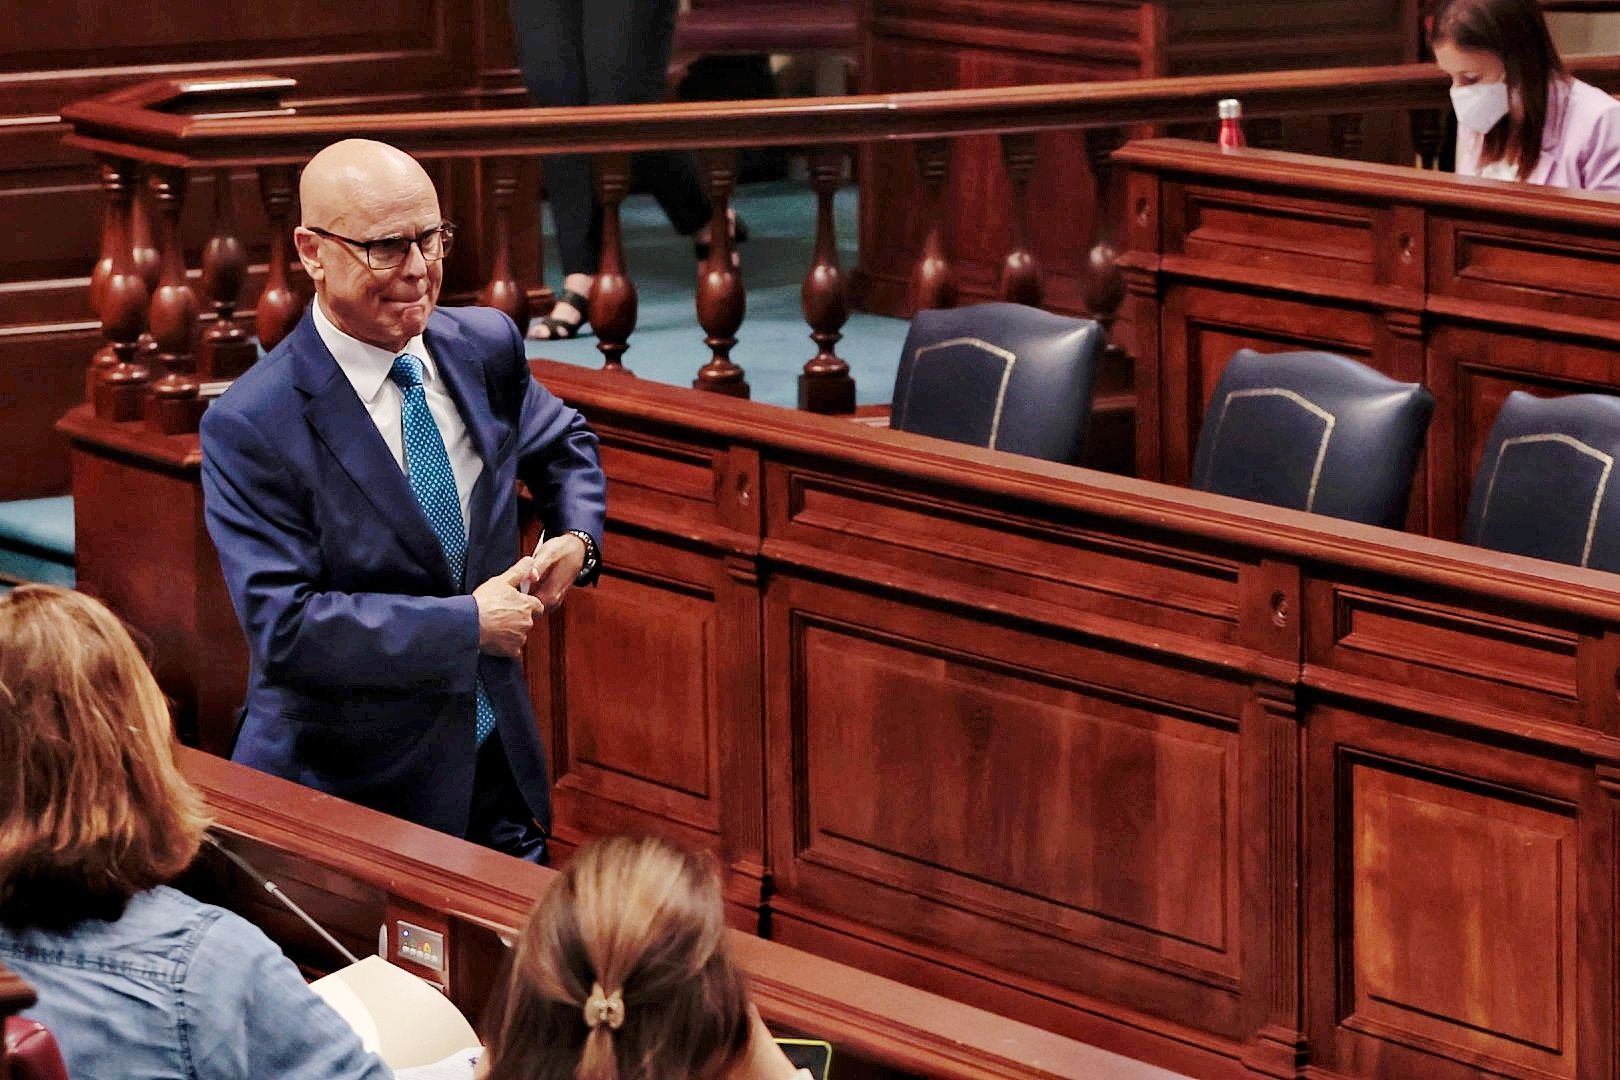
(524, 588)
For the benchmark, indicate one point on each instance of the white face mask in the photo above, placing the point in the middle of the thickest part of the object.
(1480, 106)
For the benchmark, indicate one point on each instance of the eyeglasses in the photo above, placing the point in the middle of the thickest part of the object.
(390, 251)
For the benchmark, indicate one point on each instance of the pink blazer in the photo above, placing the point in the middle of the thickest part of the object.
(1580, 146)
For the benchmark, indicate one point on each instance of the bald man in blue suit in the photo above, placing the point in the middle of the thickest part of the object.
(360, 489)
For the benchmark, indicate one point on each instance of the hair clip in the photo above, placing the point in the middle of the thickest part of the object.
(601, 1008)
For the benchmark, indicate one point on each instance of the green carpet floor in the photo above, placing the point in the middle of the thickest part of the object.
(774, 341)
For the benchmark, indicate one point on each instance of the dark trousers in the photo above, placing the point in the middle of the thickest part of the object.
(501, 818)
(614, 54)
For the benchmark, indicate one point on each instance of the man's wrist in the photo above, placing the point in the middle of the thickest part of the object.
(593, 559)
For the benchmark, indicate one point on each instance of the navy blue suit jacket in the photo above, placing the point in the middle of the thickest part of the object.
(364, 651)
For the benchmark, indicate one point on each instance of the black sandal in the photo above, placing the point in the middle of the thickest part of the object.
(739, 233)
(563, 329)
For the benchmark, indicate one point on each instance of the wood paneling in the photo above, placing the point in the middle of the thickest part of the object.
(935, 44)
(1224, 786)
(1473, 288)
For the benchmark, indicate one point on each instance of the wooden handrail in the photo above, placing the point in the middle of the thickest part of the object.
(142, 123)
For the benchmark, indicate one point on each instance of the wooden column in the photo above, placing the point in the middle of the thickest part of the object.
(503, 291)
(279, 306)
(226, 351)
(825, 386)
(173, 406)
(1105, 286)
(933, 284)
(613, 295)
(116, 389)
(1020, 271)
(721, 302)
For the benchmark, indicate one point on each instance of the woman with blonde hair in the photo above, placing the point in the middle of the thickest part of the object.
(134, 979)
(622, 973)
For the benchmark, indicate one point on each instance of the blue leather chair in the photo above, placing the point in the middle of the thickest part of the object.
(1002, 376)
(1546, 483)
(1313, 431)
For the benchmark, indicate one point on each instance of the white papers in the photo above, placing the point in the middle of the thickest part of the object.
(404, 1020)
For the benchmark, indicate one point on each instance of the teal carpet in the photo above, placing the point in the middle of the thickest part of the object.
(774, 341)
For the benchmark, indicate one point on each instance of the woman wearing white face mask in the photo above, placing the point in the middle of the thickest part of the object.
(1520, 116)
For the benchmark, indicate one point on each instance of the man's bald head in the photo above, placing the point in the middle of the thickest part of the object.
(355, 173)
(353, 193)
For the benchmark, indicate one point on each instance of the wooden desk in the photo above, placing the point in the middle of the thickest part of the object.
(1216, 785)
(1473, 287)
(355, 869)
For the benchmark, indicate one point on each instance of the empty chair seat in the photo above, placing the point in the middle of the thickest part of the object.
(36, 540)
(1313, 431)
(1546, 483)
(1002, 376)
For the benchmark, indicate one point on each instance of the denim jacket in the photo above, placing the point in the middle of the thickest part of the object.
(175, 989)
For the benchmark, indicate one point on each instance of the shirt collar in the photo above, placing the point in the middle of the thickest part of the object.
(365, 365)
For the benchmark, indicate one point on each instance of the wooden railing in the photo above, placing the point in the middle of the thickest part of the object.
(172, 130)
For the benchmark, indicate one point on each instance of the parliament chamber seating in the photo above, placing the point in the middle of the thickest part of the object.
(1001, 376)
(31, 1052)
(1313, 431)
(36, 541)
(1545, 486)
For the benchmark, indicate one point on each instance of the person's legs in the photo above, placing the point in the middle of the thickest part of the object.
(551, 55)
(626, 46)
(500, 819)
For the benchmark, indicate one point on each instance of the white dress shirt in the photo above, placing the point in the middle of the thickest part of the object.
(367, 367)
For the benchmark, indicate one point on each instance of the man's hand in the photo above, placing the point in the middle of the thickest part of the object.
(556, 565)
(505, 615)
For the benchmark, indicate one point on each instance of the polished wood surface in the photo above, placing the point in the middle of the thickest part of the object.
(355, 869)
(910, 45)
(1473, 287)
(1217, 785)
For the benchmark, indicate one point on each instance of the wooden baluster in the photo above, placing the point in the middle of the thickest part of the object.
(116, 389)
(825, 386)
(226, 349)
(110, 231)
(148, 260)
(1345, 132)
(613, 295)
(721, 302)
(1020, 271)
(933, 284)
(1428, 129)
(279, 306)
(173, 405)
(1104, 285)
(503, 291)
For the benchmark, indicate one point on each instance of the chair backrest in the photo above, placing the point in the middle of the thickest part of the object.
(1545, 485)
(1313, 431)
(1002, 376)
(31, 1051)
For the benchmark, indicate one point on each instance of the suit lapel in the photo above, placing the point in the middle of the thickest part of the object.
(460, 365)
(343, 425)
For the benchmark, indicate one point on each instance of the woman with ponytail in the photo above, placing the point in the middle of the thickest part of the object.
(622, 973)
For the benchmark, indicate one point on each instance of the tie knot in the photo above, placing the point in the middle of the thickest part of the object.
(406, 372)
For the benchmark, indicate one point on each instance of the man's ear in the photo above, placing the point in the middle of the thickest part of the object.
(308, 246)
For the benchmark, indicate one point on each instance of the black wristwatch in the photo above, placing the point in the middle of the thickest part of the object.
(593, 561)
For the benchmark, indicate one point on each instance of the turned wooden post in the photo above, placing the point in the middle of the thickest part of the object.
(226, 350)
(1104, 288)
(279, 306)
(825, 386)
(173, 405)
(721, 302)
(148, 260)
(1020, 270)
(1428, 131)
(503, 291)
(613, 298)
(116, 389)
(933, 283)
(1346, 135)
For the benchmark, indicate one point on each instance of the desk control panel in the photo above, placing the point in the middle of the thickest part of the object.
(419, 945)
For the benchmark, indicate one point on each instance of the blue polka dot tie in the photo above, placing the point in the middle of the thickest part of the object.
(427, 466)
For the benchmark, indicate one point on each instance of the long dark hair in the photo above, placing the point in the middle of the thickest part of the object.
(1516, 31)
(622, 973)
